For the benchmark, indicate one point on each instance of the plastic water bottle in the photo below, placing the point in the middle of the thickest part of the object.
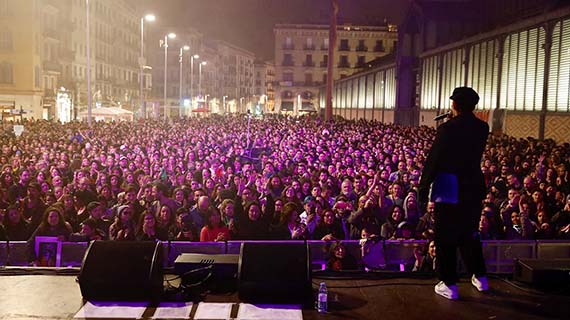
(322, 298)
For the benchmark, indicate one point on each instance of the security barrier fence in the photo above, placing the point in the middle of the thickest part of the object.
(397, 255)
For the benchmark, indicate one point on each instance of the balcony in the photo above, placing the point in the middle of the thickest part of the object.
(344, 65)
(325, 48)
(324, 64)
(287, 63)
(309, 48)
(360, 64)
(309, 64)
(344, 48)
(52, 66)
(379, 49)
(288, 47)
(362, 48)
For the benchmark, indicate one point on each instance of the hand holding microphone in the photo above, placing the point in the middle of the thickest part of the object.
(442, 116)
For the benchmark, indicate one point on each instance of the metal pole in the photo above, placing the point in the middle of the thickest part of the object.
(180, 84)
(330, 68)
(89, 97)
(200, 80)
(165, 72)
(191, 80)
(141, 72)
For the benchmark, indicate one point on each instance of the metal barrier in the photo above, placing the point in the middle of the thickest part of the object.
(399, 254)
(3, 253)
(552, 249)
(18, 253)
(500, 255)
(72, 253)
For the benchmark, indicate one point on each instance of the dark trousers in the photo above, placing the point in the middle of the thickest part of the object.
(456, 226)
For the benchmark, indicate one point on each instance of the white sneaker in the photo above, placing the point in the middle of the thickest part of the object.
(480, 283)
(449, 292)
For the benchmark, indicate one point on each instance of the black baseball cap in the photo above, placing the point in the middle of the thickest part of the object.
(465, 96)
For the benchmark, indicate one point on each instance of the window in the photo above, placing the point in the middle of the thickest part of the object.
(308, 79)
(325, 45)
(309, 44)
(287, 76)
(288, 43)
(344, 62)
(6, 73)
(559, 76)
(288, 60)
(483, 73)
(344, 45)
(523, 70)
(430, 75)
(324, 62)
(379, 47)
(309, 61)
(361, 46)
(361, 61)
(5, 40)
(453, 68)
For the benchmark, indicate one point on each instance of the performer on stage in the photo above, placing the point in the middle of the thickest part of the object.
(452, 178)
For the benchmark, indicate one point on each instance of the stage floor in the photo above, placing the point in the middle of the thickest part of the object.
(59, 297)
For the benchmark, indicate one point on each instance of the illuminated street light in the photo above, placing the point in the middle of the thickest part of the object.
(165, 45)
(142, 63)
(192, 57)
(203, 63)
(180, 59)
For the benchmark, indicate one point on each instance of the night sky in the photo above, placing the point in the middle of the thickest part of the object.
(249, 23)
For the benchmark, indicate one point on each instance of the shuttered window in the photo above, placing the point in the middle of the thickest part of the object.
(523, 71)
(354, 102)
(369, 91)
(390, 88)
(483, 72)
(452, 74)
(559, 77)
(379, 88)
(430, 81)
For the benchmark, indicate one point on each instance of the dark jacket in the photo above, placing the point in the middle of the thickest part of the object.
(457, 149)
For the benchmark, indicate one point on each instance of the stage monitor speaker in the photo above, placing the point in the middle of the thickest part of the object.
(117, 270)
(276, 272)
(543, 273)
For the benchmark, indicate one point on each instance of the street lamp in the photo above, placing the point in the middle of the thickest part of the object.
(192, 57)
(203, 63)
(142, 63)
(88, 32)
(180, 56)
(165, 45)
(224, 104)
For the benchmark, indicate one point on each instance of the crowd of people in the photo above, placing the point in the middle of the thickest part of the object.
(291, 178)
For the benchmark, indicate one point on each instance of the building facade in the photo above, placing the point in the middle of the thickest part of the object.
(301, 58)
(43, 54)
(264, 91)
(519, 65)
(236, 73)
(21, 86)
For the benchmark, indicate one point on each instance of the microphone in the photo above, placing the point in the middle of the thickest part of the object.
(442, 116)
